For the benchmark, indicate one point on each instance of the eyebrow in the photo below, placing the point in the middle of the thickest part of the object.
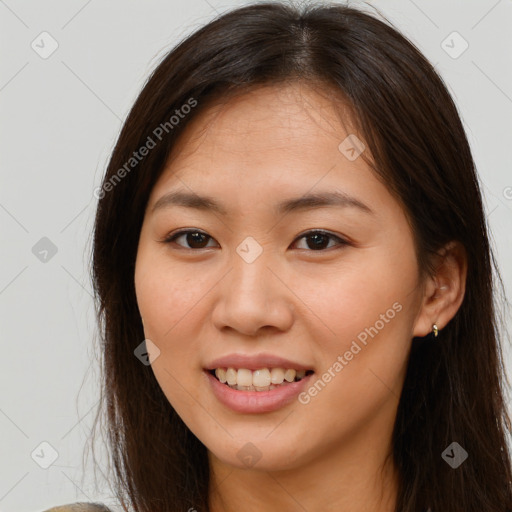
(305, 202)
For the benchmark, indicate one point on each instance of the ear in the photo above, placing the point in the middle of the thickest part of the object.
(443, 291)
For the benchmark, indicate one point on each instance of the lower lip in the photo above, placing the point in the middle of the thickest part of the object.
(256, 401)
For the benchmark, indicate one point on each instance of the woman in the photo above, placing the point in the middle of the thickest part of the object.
(294, 279)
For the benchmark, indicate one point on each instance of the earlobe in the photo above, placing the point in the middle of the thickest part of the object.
(443, 292)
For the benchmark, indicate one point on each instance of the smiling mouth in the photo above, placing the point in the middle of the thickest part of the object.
(264, 379)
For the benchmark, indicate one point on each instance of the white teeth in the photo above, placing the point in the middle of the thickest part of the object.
(220, 373)
(276, 375)
(289, 375)
(244, 377)
(231, 374)
(263, 379)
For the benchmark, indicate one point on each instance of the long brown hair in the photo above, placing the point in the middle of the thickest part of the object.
(454, 388)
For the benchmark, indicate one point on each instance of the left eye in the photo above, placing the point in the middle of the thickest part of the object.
(317, 239)
(193, 237)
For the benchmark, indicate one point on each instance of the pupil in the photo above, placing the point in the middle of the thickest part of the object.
(318, 242)
(192, 242)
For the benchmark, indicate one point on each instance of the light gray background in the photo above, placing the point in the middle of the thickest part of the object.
(60, 118)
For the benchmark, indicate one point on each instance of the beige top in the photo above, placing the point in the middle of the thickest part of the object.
(80, 507)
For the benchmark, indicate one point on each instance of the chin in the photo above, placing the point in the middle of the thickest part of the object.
(260, 454)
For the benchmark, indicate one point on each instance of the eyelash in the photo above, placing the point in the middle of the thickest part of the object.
(341, 242)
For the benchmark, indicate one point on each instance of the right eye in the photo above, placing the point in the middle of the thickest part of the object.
(195, 238)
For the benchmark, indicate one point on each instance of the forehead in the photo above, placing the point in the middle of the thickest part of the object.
(268, 130)
(259, 152)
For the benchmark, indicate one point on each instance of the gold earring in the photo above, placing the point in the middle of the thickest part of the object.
(435, 330)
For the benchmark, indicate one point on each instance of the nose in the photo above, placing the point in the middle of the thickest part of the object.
(253, 298)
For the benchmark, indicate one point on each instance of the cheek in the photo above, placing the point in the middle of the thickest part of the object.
(369, 290)
(165, 308)
(166, 300)
(166, 296)
(366, 316)
(367, 355)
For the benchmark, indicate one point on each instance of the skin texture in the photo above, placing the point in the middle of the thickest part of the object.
(295, 301)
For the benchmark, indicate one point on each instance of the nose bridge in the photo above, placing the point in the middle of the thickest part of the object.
(249, 261)
(251, 296)
(250, 274)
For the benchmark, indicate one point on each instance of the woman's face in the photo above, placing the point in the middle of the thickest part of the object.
(256, 288)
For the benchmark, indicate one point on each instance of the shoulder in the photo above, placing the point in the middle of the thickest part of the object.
(79, 507)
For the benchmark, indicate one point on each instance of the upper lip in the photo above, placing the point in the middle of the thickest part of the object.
(255, 362)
